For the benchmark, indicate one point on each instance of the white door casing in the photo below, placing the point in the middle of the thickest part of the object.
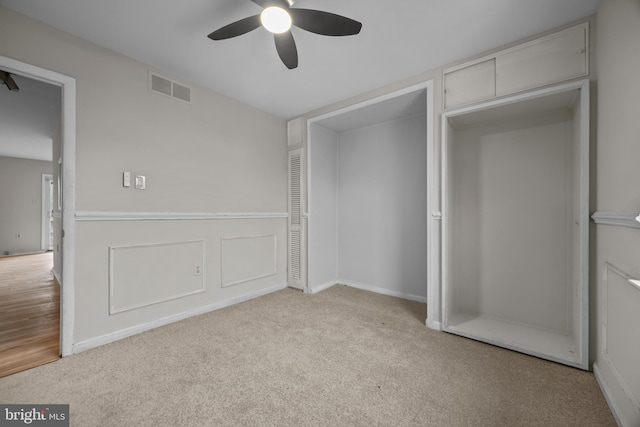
(46, 241)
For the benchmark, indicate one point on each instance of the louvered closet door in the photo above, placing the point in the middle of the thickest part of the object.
(297, 229)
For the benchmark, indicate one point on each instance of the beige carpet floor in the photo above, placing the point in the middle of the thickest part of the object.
(343, 357)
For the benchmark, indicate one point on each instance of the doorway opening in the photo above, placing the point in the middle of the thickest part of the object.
(369, 170)
(62, 217)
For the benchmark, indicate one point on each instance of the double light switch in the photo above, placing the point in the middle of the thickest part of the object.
(140, 181)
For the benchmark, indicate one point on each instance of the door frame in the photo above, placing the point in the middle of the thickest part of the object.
(68, 133)
(47, 208)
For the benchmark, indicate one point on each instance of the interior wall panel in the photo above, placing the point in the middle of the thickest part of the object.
(142, 275)
(136, 238)
(621, 299)
(247, 258)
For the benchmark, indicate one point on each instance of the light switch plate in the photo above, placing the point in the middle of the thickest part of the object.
(141, 182)
(126, 179)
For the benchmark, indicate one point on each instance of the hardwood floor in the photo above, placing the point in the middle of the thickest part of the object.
(29, 313)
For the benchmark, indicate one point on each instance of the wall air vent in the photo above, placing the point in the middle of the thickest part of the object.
(164, 86)
(181, 92)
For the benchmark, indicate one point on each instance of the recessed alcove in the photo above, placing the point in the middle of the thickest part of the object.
(515, 223)
(368, 195)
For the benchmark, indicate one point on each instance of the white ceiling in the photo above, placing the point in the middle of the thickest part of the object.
(399, 39)
(28, 119)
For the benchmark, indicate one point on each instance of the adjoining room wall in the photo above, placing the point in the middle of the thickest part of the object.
(21, 204)
(214, 156)
(617, 302)
(323, 188)
(382, 205)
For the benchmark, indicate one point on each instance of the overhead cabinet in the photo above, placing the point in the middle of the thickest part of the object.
(515, 222)
(472, 83)
(551, 59)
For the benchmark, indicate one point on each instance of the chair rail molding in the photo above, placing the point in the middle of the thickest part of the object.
(143, 216)
(623, 219)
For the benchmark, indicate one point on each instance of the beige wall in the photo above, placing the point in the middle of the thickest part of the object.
(618, 151)
(214, 155)
(21, 204)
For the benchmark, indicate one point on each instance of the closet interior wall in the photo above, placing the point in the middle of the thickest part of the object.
(368, 205)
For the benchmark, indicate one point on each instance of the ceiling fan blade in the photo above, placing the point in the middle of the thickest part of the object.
(286, 47)
(278, 3)
(324, 23)
(236, 28)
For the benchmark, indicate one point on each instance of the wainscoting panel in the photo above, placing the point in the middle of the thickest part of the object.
(149, 274)
(247, 258)
(621, 319)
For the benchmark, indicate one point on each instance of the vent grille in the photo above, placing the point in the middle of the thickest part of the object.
(181, 92)
(161, 85)
(164, 86)
(294, 256)
(295, 172)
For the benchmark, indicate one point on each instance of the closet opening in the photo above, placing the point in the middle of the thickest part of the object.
(368, 195)
(515, 223)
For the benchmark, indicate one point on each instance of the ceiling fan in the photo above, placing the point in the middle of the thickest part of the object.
(277, 16)
(6, 78)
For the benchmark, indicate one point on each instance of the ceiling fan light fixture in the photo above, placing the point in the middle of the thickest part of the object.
(276, 19)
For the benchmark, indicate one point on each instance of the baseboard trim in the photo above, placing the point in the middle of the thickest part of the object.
(382, 291)
(607, 395)
(56, 274)
(374, 289)
(39, 251)
(81, 346)
(433, 325)
(320, 288)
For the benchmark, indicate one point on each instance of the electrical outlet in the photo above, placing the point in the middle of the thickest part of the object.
(141, 182)
(197, 269)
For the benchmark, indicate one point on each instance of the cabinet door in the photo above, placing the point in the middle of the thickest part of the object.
(553, 59)
(297, 265)
(473, 83)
